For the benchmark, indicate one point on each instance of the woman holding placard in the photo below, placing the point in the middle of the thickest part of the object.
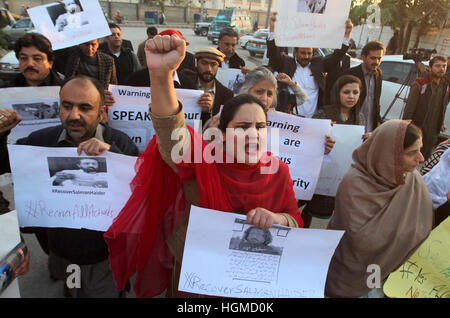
(149, 233)
(385, 209)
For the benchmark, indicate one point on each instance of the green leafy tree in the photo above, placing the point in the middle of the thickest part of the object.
(405, 16)
(410, 15)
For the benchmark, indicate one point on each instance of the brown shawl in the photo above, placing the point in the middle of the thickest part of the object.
(385, 214)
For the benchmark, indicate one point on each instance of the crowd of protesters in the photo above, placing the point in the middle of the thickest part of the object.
(383, 203)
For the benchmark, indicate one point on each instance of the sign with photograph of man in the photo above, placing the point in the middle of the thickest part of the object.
(79, 171)
(58, 188)
(67, 15)
(70, 22)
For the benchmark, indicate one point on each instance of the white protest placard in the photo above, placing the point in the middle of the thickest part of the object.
(300, 144)
(225, 256)
(70, 23)
(339, 160)
(9, 238)
(231, 78)
(130, 112)
(58, 188)
(38, 106)
(311, 23)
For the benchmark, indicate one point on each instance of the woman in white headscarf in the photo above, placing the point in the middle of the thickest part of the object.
(438, 183)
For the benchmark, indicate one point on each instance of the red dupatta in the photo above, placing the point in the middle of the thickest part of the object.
(137, 237)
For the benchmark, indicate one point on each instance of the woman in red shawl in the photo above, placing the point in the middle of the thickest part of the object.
(149, 233)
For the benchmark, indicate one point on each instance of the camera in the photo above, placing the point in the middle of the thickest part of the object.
(419, 55)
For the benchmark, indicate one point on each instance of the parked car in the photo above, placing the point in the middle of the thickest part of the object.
(396, 72)
(243, 40)
(17, 30)
(6, 18)
(9, 68)
(202, 28)
(235, 18)
(257, 43)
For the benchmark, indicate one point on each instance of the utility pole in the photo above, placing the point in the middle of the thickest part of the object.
(202, 7)
(269, 6)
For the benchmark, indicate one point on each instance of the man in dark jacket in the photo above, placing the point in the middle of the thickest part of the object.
(427, 103)
(228, 39)
(215, 94)
(305, 69)
(371, 77)
(81, 106)
(125, 60)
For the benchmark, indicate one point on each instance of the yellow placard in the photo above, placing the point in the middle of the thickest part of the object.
(426, 274)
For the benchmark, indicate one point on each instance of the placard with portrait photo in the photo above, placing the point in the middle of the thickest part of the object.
(70, 22)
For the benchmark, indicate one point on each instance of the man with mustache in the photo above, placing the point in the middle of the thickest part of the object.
(215, 94)
(371, 77)
(228, 39)
(427, 102)
(35, 55)
(125, 59)
(81, 108)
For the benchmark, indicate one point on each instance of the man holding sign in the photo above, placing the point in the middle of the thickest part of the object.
(82, 104)
(305, 69)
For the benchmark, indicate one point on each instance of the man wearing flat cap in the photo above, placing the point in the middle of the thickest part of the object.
(215, 94)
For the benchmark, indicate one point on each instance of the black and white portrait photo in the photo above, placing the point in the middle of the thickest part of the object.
(78, 172)
(67, 15)
(311, 6)
(248, 238)
(38, 110)
(235, 84)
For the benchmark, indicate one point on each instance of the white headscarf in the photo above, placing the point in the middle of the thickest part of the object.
(438, 180)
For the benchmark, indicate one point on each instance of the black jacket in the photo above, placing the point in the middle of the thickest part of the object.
(333, 74)
(188, 62)
(319, 66)
(235, 61)
(52, 79)
(126, 63)
(79, 246)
